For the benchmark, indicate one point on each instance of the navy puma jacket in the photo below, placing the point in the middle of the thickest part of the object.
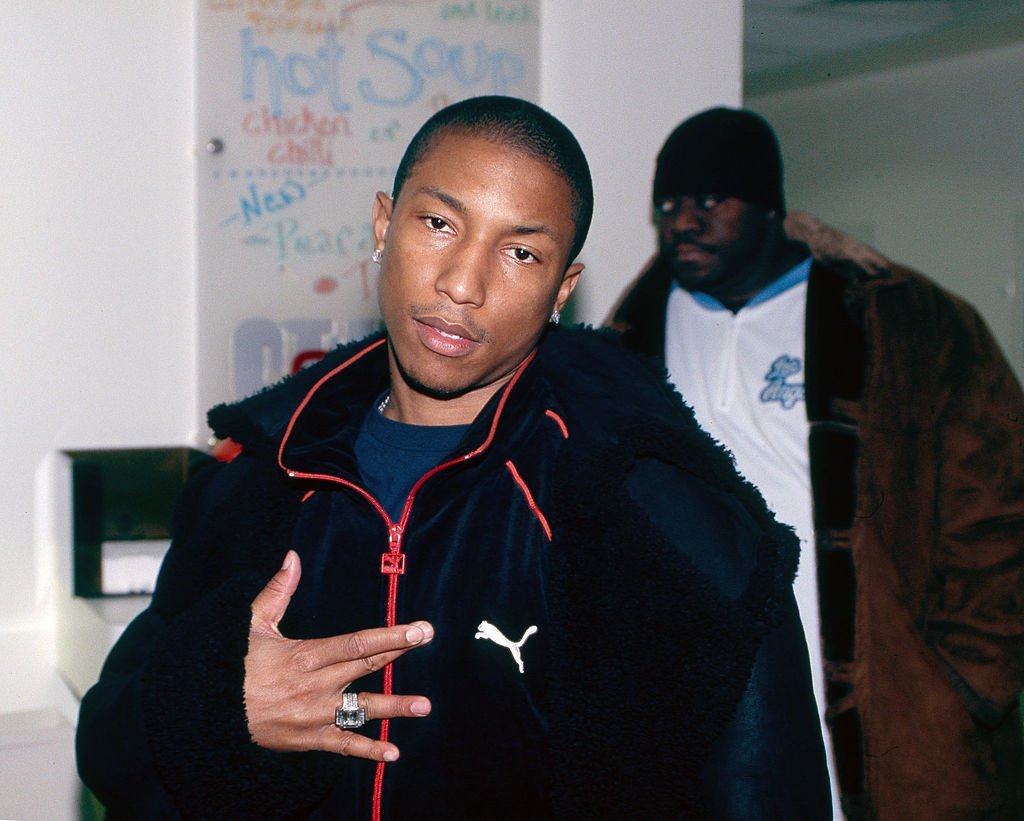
(666, 674)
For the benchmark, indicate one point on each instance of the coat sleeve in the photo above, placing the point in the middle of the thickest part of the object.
(163, 733)
(975, 620)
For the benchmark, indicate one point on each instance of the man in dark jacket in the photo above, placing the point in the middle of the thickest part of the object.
(586, 612)
(877, 415)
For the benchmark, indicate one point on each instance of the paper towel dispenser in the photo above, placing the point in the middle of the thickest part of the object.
(122, 502)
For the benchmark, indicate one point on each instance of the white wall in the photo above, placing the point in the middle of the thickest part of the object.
(926, 162)
(96, 254)
(97, 249)
(622, 80)
(96, 309)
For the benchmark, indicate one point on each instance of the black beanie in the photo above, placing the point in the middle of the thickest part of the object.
(723, 151)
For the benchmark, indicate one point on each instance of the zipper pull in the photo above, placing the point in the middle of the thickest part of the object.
(392, 563)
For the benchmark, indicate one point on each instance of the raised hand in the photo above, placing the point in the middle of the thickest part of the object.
(292, 686)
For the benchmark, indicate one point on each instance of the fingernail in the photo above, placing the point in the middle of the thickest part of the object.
(420, 708)
(287, 560)
(414, 635)
(427, 628)
(391, 755)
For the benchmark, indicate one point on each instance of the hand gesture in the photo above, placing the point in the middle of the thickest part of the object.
(292, 687)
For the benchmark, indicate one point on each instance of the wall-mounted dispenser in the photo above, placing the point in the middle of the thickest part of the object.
(122, 502)
(117, 514)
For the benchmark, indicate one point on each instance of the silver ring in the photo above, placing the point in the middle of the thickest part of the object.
(350, 716)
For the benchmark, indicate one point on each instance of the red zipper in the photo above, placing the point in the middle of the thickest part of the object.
(393, 560)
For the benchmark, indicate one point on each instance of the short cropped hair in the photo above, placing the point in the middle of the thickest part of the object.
(522, 126)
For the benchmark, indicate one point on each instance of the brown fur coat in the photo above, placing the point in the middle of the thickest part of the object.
(917, 468)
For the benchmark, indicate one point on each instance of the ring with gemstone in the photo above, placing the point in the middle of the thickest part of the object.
(350, 716)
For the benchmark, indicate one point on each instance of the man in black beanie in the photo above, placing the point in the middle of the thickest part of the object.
(732, 169)
(878, 417)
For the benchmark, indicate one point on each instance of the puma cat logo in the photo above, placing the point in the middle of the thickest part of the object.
(486, 630)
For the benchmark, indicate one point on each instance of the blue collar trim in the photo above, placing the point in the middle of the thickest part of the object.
(794, 276)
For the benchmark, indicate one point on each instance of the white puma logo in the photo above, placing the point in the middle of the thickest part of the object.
(486, 630)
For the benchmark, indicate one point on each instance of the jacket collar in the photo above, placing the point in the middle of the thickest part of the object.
(577, 374)
(293, 418)
(327, 419)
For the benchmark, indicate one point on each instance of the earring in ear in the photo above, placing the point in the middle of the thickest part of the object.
(377, 254)
(556, 316)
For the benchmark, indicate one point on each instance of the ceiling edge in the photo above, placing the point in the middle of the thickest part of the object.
(893, 54)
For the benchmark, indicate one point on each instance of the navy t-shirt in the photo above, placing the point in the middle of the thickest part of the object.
(392, 456)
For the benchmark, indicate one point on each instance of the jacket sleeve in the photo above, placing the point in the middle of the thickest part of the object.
(770, 760)
(163, 734)
(975, 620)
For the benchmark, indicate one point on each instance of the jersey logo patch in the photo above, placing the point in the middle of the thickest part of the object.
(486, 630)
(778, 389)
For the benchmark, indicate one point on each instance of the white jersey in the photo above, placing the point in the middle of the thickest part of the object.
(743, 374)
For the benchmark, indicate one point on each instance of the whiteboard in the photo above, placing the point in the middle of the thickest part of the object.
(303, 110)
